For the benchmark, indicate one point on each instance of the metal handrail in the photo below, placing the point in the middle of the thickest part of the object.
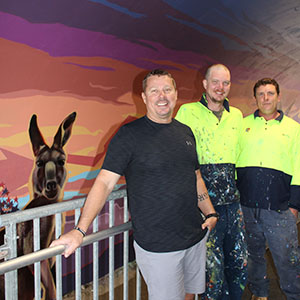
(43, 254)
(9, 249)
(50, 209)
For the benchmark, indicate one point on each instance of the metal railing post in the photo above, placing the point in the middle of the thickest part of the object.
(111, 251)
(95, 263)
(77, 263)
(37, 265)
(125, 252)
(58, 264)
(138, 284)
(11, 278)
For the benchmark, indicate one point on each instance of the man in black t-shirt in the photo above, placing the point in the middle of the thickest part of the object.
(165, 189)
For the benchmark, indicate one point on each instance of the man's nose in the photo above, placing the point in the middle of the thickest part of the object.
(220, 85)
(162, 93)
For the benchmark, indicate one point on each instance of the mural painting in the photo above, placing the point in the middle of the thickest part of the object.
(90, 56)
(48, 179)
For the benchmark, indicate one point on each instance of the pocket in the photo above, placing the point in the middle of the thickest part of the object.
(285, 216)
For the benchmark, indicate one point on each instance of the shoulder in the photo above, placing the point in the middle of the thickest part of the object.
(235, 111)
(129, 130)
(249, 118)
(291, 125)
(179, 125)
(135, 123)
(190, 106)
(248, 121)
(182, 127)
(189, 113)
(290, 121)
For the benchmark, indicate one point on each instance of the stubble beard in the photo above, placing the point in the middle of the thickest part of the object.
(216, 101)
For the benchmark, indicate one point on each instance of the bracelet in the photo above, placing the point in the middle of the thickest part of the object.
(80, 230)
(216, 215)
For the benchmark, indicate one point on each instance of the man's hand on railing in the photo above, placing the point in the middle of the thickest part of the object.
(72, 240)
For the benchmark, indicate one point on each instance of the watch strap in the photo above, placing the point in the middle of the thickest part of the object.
(216, 215)
(80, 230)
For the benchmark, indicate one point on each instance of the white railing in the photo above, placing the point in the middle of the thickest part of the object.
(12, 263)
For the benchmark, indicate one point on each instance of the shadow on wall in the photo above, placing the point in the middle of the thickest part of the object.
(103, 144)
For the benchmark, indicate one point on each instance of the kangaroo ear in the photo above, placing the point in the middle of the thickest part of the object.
(36, 137)
(64, 131)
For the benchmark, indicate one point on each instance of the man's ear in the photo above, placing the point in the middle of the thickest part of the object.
(204, 82)
(279, 98)
(254, 99)
(144, 97)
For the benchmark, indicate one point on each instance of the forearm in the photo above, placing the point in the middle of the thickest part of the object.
(96, 199)
(102, 187)
(93, 205)
(204, 202)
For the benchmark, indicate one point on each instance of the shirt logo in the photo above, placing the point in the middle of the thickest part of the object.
(189, 143)
(247, 129)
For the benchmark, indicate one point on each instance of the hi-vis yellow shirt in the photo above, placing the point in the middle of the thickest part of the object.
(216, 141)
(217, 147)
(269, 144)
(269, 163)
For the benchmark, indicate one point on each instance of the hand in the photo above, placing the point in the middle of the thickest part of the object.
(294, 212)
(72, 240)
(210, 223)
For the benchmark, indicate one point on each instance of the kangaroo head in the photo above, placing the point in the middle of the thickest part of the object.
(49, 173)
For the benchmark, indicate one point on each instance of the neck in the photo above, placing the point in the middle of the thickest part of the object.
(160, 120)
(271, 116)
(215, 106)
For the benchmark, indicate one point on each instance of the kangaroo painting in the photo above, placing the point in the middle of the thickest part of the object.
(48, 179)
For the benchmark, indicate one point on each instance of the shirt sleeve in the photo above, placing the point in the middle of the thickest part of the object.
(119, 152)
(295, 183)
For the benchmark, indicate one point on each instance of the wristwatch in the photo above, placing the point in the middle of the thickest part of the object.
(80, 230)
(216, 215)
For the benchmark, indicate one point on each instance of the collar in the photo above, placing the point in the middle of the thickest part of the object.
(204, 102)
(279, 118)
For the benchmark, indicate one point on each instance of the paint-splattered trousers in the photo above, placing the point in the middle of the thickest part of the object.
(279, 231)
(226, 264)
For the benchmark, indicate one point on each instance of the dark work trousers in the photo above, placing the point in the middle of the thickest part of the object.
(226, 264)
(279, 231)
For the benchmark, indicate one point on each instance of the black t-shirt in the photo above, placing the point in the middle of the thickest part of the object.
(159, 163)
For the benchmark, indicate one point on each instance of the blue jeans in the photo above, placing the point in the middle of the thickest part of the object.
(279, 230)
(226, 264)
